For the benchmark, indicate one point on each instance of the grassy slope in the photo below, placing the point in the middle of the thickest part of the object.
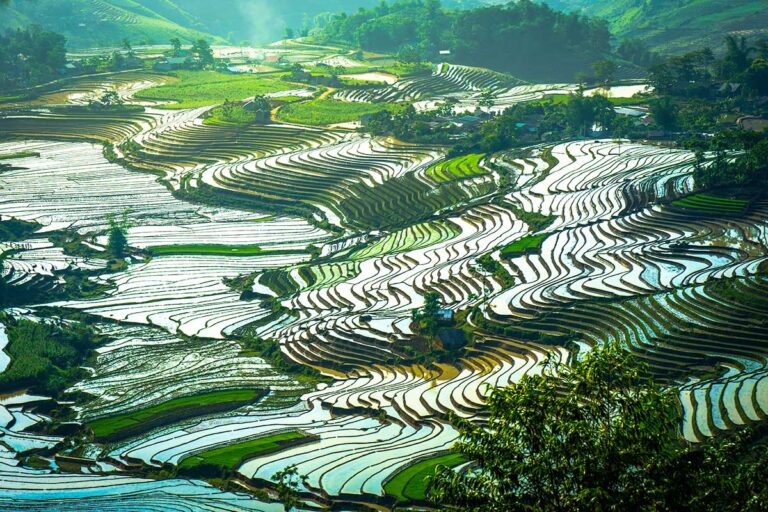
(87, 23)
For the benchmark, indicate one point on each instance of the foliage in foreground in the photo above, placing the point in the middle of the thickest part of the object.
(597, 435)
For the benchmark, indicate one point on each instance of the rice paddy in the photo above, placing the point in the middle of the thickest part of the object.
(192, 89)
(711, 204)
(232, 456)
(124, 425)
(264, 256)
(467, 166)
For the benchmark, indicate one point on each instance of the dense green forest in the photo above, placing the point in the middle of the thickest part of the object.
(550, 45)
(30, 57)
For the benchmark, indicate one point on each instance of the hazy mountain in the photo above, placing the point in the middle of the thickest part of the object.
(677, 25)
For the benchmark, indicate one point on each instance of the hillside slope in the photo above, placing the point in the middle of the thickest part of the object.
(677, 25)
(88, 23)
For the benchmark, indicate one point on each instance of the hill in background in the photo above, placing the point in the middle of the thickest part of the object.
(91, 23)
(677, 25)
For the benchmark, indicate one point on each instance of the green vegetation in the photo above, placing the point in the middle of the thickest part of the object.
(530, 243)
(235, 114)
(412, 483)
(325, 111)
(712, 204)
(557, 45)
(117, 236)
(13, 230)
(209, 249)
(673, 25)
(412, 238)
(30, 57)
(22, 154)
(733, 162)
(109, 22)
(466, 166)
(45, 358)
(497, 269)
(597, 434)
(232, 456)
(202, 88)
(535, 220)
(427, 317)
(130, 423)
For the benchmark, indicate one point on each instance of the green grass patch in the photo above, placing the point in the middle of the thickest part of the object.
(213, 250)
(466, 166)
(230, 457)
(325, 111)
(707, 203)
(125, 425)
(22, 154)
(413, 482)
(524, 245)
(203, 88)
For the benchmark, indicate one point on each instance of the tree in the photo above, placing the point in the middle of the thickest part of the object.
(110, 99)
(289, 34)
(756, 76)
(598, 435)
(409, 54)
(736, 58)
(288, 482)
(117, 241)
(427, 316)
(116, 61)
(204, 52)
(604, 70)
(664, 112)
(585, 436)
(584, 112)
(176, 44)
(126, 44)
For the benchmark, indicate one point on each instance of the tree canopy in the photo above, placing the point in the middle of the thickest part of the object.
(30, 57)
(597, 434)
(526, 38)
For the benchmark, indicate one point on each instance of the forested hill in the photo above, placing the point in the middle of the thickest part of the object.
(527, 39)
(88, 23)
(676, 25)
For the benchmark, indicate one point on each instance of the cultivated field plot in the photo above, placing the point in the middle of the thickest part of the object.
(277, 267)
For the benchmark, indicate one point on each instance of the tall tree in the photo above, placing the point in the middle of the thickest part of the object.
(664, 112)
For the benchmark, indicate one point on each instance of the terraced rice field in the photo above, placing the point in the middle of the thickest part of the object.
(312, 247)
(715, 205)
(192, 89)
(466, 166)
